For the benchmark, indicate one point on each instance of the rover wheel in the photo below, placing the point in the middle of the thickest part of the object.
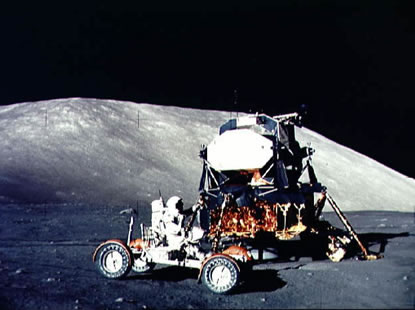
(220, 275)
(113, 261)
(140, 265)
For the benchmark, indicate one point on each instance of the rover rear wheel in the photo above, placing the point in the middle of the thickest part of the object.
(220, 275)
(113, 261)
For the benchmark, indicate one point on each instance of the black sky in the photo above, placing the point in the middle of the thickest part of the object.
(351, 62)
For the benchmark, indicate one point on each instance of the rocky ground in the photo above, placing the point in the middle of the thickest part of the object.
(46, 251)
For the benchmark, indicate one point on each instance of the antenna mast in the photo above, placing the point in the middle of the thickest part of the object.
(235, 100)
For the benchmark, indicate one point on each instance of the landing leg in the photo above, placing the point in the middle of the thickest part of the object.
(349, 228)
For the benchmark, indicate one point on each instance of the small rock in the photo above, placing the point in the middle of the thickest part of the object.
(77, 301)
(119, 299)
(310, 274)
(19, 271)
(405, 278)
(144, 307)
(50, 280)
(263, 299)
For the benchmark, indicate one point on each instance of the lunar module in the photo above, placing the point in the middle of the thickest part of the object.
(257, 182)
(258, 166)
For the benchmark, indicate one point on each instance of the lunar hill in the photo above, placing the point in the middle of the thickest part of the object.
(117, 153)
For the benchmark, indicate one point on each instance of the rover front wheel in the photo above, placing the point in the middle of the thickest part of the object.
(113, 261)
(220, 275)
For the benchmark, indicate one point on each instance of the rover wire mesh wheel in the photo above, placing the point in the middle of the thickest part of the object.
(140, 265)
(220, 275)
(113, 261)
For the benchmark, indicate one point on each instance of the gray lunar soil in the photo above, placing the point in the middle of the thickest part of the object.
(69, 166)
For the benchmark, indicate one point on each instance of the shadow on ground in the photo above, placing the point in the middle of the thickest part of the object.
(170, 274)
(379, 239)
(266, 280)
(251, 281)
(315, 248)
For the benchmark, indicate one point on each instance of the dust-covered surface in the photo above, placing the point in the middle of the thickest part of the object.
(357, 181)
(69, 166)
(101, 151)
(114, 152)
(46, 263)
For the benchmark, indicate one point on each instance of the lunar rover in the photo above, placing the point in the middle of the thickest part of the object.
(252, 187)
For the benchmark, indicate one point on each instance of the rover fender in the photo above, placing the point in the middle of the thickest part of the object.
(139, 244)
(238, 253)
(119, 242)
